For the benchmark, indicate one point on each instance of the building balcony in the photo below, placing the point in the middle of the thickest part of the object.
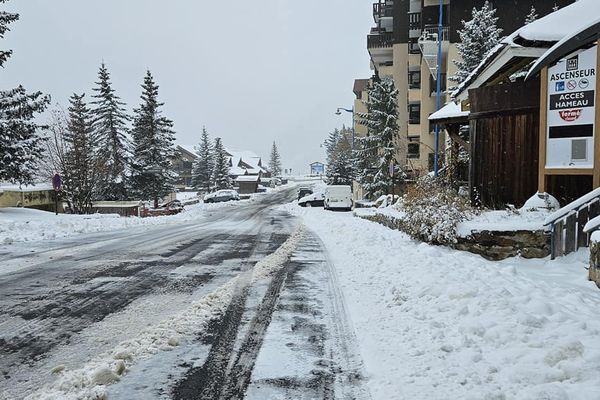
(380, 40)
(383, 9)
(380, 46)
(428, 42)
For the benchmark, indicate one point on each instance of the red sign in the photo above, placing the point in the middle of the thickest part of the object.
(57, 182)
(570, 115)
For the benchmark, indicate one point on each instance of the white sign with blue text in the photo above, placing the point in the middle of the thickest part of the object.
(572, 111)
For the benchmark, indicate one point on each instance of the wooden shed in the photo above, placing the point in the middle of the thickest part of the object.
(504, 138)
(248, 184)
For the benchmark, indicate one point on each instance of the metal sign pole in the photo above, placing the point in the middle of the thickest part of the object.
(438, 100)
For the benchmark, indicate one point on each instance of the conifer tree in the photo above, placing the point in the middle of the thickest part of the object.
(275, 161)
(21, 145)
(340, 162)
(110, 125)
(220, 176)
(532, 16)
(478, 36)
(153, 150)
(203, 166)
(81, 167)
(376, 151)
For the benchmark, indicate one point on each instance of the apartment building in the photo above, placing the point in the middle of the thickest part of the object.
(403, 44)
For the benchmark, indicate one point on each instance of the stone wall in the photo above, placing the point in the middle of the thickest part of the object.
(498, 245)
(594, 271)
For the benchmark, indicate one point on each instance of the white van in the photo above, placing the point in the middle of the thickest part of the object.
(338, 197)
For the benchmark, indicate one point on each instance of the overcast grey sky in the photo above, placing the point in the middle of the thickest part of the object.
(251, 71)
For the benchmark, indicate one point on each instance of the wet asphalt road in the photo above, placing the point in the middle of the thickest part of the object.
(69, 300)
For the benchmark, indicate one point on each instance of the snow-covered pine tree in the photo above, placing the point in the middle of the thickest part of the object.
(81, 171)
(220, 175)
(376, 151)
(275, 161)
(341, 170)
(478, 36)
(153, 150)
(532, 16)
(203, 166)
(21, 145)
(110, 125)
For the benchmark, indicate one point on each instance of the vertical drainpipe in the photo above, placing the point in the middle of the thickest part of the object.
(438, 99)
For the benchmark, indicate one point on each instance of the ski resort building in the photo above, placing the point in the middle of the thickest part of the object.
(403, 44)
(533, 128)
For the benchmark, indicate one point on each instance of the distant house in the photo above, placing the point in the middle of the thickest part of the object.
(39, 196)
(182, 164)
(243, 162)
(317, 169)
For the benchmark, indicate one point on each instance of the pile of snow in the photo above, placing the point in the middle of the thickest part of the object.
(434, 323)
(25, 225)
(90, 382)
(504, 221)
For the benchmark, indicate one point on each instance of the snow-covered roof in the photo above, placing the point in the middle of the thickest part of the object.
(450, 110)
(243, 161)
(583, 35)
(541, 35)
(189, 148)
(554, 26)
(247, 178)
(37, 187)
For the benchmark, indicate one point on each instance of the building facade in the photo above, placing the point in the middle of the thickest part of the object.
(403, 45)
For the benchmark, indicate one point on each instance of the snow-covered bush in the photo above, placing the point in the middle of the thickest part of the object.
(433, 210)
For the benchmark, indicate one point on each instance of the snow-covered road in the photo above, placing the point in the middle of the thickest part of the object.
(64, 302)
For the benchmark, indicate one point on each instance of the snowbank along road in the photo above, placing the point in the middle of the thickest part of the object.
(177, 312)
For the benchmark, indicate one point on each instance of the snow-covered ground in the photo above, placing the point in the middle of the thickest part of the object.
(435, 323)
(25, 225)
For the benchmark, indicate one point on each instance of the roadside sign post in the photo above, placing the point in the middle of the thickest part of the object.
(57, 185)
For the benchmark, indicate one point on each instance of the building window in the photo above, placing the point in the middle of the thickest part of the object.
(413, 47)
(414, 79)
(414, 113)
(433, 84)
(431, 161)
(414, 147)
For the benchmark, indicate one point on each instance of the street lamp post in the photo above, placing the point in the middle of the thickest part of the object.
(350, 110)
(438, 105)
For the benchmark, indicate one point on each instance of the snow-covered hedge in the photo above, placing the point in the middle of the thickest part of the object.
(433, 211)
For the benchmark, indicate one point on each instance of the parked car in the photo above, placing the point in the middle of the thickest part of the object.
(173, 205)
(312, 200)
(338, 197)
(221, 196)
(304, 191)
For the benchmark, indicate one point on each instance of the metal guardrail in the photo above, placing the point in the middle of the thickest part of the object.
(567, 233)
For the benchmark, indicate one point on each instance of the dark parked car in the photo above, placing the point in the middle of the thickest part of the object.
(304, 191)
(221, 195)
(312, 200)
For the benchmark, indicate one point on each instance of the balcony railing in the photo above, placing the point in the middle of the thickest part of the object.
(430, 33)
(380, 40)
(382, 9)
(414, 21)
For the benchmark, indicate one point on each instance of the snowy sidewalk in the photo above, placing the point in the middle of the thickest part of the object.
(435, 323)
